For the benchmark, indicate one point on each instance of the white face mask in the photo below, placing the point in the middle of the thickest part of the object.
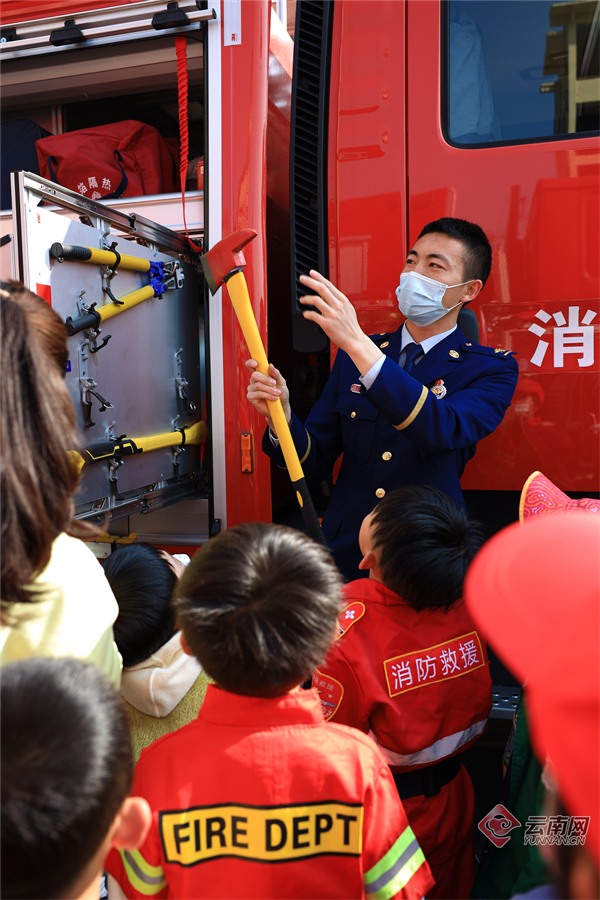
(420, 298)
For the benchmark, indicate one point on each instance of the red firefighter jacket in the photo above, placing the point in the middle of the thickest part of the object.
(417, 681)
(259, 798)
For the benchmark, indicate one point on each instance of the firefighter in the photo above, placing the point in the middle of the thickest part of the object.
(410, 669)
(259, 797)
(403, 408)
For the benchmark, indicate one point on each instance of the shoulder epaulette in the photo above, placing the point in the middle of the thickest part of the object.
(378, 338)
(469, 346)
(349, 617)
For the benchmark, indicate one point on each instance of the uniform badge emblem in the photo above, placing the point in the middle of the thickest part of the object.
(454, 354)
(330, 693)
(439, 389)
(349, 616)
(355, 388)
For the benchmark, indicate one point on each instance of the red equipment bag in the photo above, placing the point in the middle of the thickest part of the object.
(123, 159)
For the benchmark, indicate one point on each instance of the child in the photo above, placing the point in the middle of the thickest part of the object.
(163, 686)
(536, 590)
(66, 776)
(55, 598)
(258, 797)
(412, 671)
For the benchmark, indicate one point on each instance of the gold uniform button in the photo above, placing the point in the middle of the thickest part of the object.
(352, 415)
(380, 493)
(387, 455)
(385, 344)
(454, 354)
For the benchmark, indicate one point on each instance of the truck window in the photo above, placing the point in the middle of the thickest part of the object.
(520, 72)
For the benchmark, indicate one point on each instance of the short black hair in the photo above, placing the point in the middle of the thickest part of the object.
(142, 581)
(424, 544)
(66, 771)
(258, 608)
(478, 252)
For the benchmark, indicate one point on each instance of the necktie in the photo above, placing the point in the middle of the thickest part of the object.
(412, 351)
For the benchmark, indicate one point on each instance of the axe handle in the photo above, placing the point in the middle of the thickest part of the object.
(238, 291)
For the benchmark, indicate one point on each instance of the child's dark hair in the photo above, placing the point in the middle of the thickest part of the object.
(258, 608)
(478, 252)
(66, 771)
(142, 581)
(424, 544)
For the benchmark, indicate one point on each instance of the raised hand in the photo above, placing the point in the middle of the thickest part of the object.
(337, 318)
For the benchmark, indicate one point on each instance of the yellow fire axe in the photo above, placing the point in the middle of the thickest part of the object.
(224, 263)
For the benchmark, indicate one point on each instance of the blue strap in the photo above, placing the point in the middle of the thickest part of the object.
(52, 159)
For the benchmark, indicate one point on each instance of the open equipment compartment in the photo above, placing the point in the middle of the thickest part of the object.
(125, 69)
(146, 379)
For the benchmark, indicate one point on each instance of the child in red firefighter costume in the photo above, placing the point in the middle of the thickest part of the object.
(259, 797)
(410, 669)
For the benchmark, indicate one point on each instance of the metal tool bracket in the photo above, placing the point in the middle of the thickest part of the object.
(182, 383)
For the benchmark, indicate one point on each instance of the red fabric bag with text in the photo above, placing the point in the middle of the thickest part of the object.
(122, 159)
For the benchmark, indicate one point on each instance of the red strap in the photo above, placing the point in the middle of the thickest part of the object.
(182, 90)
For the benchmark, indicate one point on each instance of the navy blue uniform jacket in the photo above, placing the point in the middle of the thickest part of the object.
(399, 431)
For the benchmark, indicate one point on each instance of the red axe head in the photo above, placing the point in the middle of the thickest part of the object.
(226, 258)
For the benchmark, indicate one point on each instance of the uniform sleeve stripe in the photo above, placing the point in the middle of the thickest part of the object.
(399, 876)
(146, 879)
(391, 857)
(305, 457)
(415, 412)
(372, 887)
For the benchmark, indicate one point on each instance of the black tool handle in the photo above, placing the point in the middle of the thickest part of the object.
(100, 450)
(311, 520)
(121, 446)
(82, 323)
(68, 251)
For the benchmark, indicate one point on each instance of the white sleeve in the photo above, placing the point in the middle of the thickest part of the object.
(114, 888)
(373, 372)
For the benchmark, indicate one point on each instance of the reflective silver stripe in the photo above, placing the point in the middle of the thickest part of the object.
(373, 886)
(442, 748)
(147, 879)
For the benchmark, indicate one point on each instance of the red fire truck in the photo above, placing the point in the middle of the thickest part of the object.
(336, 146)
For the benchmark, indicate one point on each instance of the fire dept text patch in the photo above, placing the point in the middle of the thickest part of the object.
(440, 663)
(270, 834)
